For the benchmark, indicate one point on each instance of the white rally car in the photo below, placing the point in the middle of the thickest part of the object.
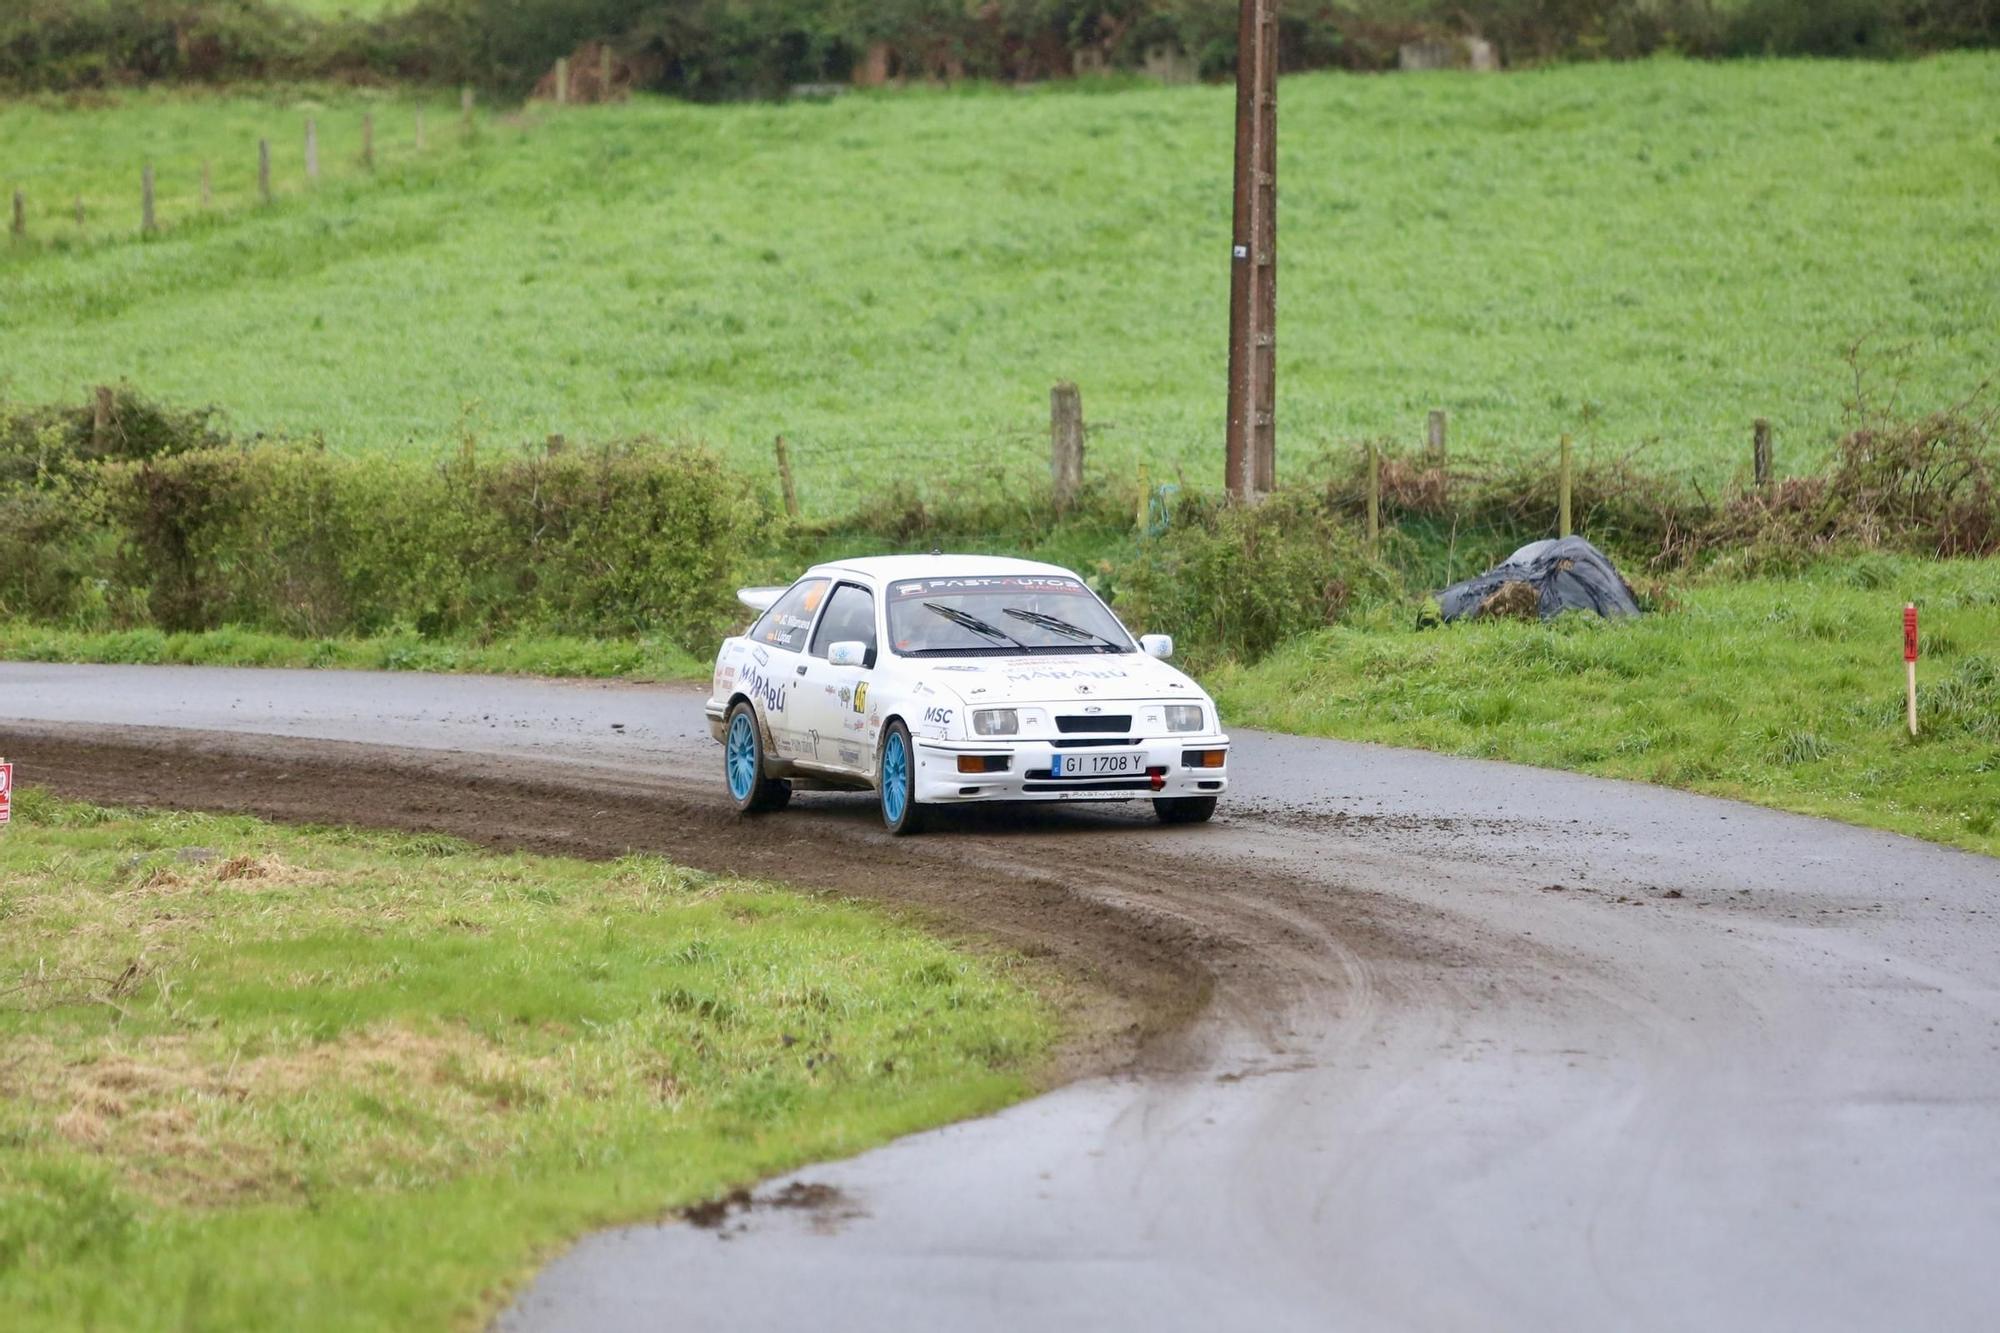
(953, 679)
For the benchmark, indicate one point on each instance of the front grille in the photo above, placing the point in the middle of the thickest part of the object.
(1100, 722)
(1098, 742)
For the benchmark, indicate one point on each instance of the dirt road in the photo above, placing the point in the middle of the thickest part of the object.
(1470, 1045)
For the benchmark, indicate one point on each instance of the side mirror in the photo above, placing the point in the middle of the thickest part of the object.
(1157, 645)
(848, 652)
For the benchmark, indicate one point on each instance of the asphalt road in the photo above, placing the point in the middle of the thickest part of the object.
(1482, 1046)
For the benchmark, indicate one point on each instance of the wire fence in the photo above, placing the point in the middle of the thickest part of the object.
(262, 172)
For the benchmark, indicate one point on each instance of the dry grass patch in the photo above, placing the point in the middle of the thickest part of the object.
(192, 1120)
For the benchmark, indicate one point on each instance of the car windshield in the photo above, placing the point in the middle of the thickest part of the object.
(1003, 615)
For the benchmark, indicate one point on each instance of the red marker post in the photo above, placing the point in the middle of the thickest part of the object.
(1910, 658)
(6, 792)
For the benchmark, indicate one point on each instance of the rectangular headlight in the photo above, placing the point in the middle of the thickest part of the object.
(1183, 717)
(996, 722)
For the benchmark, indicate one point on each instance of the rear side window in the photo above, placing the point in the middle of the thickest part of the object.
(785, 624)
(850, 614)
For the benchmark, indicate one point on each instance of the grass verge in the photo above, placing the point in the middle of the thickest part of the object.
(1788, 693)
(536, 655)
(263, 1077)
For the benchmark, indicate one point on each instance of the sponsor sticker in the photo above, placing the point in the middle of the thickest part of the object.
(996, 583)
(940, 716)
(861, 697)
(769, 692)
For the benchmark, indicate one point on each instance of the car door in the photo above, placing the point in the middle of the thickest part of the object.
(777, 657)
(832, 704)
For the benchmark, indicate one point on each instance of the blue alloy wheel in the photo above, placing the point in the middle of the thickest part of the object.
(895, 778)
(897, 782)
(743, 764)
(740, 757)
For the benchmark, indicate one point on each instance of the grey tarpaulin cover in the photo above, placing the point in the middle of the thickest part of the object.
(1568, 572)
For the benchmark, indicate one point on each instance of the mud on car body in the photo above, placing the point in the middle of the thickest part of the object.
(947, 679)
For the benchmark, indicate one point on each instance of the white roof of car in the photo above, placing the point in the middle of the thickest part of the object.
(885, 568)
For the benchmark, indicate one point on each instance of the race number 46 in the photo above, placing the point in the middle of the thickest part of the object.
(6, 792)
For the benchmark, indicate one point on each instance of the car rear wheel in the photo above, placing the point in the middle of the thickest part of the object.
(743, 765)
(1184, 809)
(896, 782)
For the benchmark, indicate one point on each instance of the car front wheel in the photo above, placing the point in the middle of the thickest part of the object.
(743, 765)
(896, 781)
(1184, 809)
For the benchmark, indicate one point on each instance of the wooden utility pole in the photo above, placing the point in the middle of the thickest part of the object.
(1252, 456)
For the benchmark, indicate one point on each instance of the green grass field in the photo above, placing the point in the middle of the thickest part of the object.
(1642, 255)
(61, 150)
(255, 1078)
(1788, 693)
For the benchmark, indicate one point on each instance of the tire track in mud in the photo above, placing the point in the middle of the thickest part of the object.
(1148, 960)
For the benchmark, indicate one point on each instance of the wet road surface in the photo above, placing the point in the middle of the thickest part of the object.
(1481, 1046)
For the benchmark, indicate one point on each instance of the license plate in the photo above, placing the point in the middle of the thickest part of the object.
(1098, 765)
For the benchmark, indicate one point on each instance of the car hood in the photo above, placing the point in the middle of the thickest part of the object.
(1082, 678)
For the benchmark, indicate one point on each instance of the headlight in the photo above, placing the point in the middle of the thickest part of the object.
(995, 722)
(1183, 717)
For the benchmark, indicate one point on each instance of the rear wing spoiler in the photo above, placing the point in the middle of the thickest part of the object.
(759, 599)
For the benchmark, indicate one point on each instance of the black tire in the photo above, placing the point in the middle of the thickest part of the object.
(1184, 809)
(750, 791)
(896, 785)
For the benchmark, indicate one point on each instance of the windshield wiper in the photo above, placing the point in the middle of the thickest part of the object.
(965, 620)
(1056, 626)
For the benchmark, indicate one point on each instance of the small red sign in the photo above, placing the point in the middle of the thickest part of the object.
(6, 792)
(1910, 633)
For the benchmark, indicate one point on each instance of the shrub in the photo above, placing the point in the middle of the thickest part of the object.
(1231, 580)
(733, 48)
(634, 539)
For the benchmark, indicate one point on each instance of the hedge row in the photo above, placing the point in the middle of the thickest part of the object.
(730, 48)
(195, 534)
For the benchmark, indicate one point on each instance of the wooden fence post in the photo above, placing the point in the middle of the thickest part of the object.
(1760, 456)
(1563, 514)
(1374, 496)
(785, 479)
(1144, 513)
(264, 170)
(147, 224)
(207, 184)
(100, 417)
(1434, 437)
(420, 129)
(604, 72)
(368, 140)
(312, 150)
(20, 224)
(562, 80)
(465, 111)
(1065, 443)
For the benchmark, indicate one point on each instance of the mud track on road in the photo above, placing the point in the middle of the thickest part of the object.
(1141, 967)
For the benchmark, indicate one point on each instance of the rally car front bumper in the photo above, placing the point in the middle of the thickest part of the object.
(1042, 770)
